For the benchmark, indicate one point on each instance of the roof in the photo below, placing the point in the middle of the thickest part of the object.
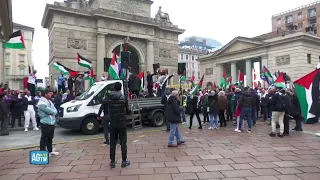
(295, 9)
(274, 34)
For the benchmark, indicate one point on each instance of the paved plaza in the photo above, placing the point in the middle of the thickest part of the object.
(220, 154)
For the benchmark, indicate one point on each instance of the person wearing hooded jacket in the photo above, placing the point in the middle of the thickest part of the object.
(246, 103)
(118, 108)
(174, 118)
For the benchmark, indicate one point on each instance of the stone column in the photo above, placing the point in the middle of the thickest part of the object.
(233, 72)
(264, 62)
(248, 73)
(1, 62)
(150, 55)
(101, 53)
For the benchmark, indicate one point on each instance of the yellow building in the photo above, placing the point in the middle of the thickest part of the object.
(16, 61)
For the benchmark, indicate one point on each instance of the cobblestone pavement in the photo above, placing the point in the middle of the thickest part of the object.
(219, 154)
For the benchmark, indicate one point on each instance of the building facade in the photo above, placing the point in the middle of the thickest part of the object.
(5, 31)
(97, 28)
(17, 61)
(296, 54)
(305, 18)
(190, 57)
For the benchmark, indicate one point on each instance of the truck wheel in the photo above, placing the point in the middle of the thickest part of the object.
(158, 119)
(90, 126)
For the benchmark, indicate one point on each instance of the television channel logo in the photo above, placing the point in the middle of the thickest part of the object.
(39, 157)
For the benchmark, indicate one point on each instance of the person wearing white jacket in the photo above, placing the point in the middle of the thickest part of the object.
(29, 112)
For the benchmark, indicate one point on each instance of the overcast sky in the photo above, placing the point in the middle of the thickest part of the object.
(221, 20)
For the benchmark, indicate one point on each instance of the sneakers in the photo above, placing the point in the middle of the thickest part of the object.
(237, 130)
(53, 153)
(249, 131)
(25, 129)
(184, 122)
(36, 129)
(280, 135)
(210, 128)
(215, 128)
(112, 164)
(272, 134)
(181, 142)
(172, 145)
(125, 164)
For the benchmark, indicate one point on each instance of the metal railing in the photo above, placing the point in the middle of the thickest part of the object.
(295, 9)
(14, 77)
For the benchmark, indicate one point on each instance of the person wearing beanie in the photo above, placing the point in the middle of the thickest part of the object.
(3, 116)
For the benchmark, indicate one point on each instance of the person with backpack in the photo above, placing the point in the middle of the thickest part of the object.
(280, 106)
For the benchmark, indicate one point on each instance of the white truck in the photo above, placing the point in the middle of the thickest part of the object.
(81, 113)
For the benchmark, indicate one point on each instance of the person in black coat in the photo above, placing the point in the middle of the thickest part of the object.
(174, 118)
(150, 83)
(295, 111)
(16, 106)
(106, 118)
(70, 84)
(57, 101)
(213, 110)
(269, 99)
(3, 116)
(196, 109)
(164, 101)
(134, 84)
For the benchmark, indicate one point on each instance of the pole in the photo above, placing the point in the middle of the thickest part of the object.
(180, 92)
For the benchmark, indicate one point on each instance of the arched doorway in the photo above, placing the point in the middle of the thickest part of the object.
(134, 59)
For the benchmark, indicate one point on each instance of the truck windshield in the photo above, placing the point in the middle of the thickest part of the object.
(89, 92)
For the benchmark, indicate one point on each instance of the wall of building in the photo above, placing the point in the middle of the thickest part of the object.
(192, 65)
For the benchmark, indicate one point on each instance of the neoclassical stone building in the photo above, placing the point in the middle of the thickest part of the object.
(96, 28)
(295, 53)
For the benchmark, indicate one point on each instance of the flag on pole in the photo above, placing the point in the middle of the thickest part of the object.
(240, 78)
(84, 62)
(141, 77)
(198, 87)
(224, 77)
(192, 80)
(268, 76)
(214, 86)
(113, 69)
(16, 41)
(183, 77)
(279, 82)
(306, 94)
(64, 70)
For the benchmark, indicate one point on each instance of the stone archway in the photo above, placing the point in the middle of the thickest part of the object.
(137, 56)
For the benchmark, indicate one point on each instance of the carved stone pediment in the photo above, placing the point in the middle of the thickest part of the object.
(77, 43)
(282, 60)
(165, 53)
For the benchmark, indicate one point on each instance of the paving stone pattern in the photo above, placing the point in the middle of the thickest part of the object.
(220, 154)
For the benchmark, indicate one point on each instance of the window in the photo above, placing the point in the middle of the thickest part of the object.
(289, 19)
(279, 20)
(21, 85)
(192, 73)
(192, 65)
(21, 58)
(187, 57)
(186, 65)
(100, 96)
(312, 12)
(181, 56)
(199, 75)
(7, 57)
(21, 71)
(299, 15)
(192, 57)
(188, 74)
(309, 58)
(299, 25)
(7, 71)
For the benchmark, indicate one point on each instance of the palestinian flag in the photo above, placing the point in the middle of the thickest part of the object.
(113, 69)
(84, 62)
(198, 87)
(223, 81)
(141, 77)
(240, 78)
(183, 77)
(16, 41)
(192, 80)
(89, 75)
(64, 70)
(307, 90)
(279, 82)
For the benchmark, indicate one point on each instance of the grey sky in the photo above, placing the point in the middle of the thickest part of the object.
(221, 20)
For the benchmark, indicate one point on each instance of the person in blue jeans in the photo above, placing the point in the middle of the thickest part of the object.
(164, 101)
(213, 109)
(246, 103)
(174, 119)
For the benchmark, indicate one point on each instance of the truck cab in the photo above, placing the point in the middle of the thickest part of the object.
(81, 113)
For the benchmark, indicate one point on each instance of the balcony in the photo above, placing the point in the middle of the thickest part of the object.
(15, 77)
(312, 14)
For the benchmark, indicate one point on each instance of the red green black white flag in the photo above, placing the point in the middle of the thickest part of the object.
(16, 41)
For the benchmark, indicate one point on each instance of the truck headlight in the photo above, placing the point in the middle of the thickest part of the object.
(73, 108)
